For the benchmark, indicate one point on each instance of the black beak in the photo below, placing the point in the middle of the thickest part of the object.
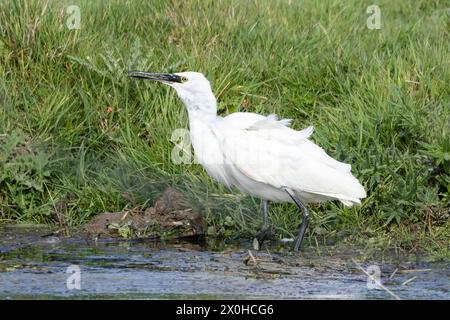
(165, 77)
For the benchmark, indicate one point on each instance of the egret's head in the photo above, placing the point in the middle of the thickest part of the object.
(192, 88)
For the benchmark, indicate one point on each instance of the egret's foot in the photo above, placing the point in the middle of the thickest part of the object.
(266, 233)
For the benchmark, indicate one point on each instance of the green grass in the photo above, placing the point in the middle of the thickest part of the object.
(379, 99)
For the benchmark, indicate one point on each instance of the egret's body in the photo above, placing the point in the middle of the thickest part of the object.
(260, 155)
(296, 163)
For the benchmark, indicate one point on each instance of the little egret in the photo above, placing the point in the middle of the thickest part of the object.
(260, 155)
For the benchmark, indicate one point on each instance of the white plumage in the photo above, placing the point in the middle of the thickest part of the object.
(260, 155)
(267, 155)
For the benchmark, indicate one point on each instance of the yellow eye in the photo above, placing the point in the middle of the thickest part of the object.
(184, 79)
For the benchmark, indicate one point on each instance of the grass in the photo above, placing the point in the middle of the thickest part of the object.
(78, 138)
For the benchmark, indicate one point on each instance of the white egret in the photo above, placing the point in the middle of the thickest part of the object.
(260, 155)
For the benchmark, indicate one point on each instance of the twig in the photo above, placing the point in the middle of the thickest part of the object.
(252, 257)
(408, 281)
(124, 216)
(414, 270)
(393, 273)
(376, 281)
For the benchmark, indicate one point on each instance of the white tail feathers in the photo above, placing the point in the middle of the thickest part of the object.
(349, 203)
(357, 191)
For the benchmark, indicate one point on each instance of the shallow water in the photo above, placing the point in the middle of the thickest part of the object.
(35, 266)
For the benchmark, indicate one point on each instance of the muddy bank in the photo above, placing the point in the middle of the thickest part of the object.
(169, 217)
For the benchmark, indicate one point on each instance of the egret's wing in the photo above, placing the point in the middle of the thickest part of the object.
(270, 122)
(249, 121)
(271, 153)
(239, 120)
(270, 128)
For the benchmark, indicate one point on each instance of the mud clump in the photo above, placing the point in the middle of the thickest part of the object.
(169, 217)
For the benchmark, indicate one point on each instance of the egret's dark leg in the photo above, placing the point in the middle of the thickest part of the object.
(265, 232)
(305, 222)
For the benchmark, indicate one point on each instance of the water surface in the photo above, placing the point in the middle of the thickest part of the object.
(34, 265)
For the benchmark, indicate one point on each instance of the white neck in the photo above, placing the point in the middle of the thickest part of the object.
(201, 116)
(201, 108)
